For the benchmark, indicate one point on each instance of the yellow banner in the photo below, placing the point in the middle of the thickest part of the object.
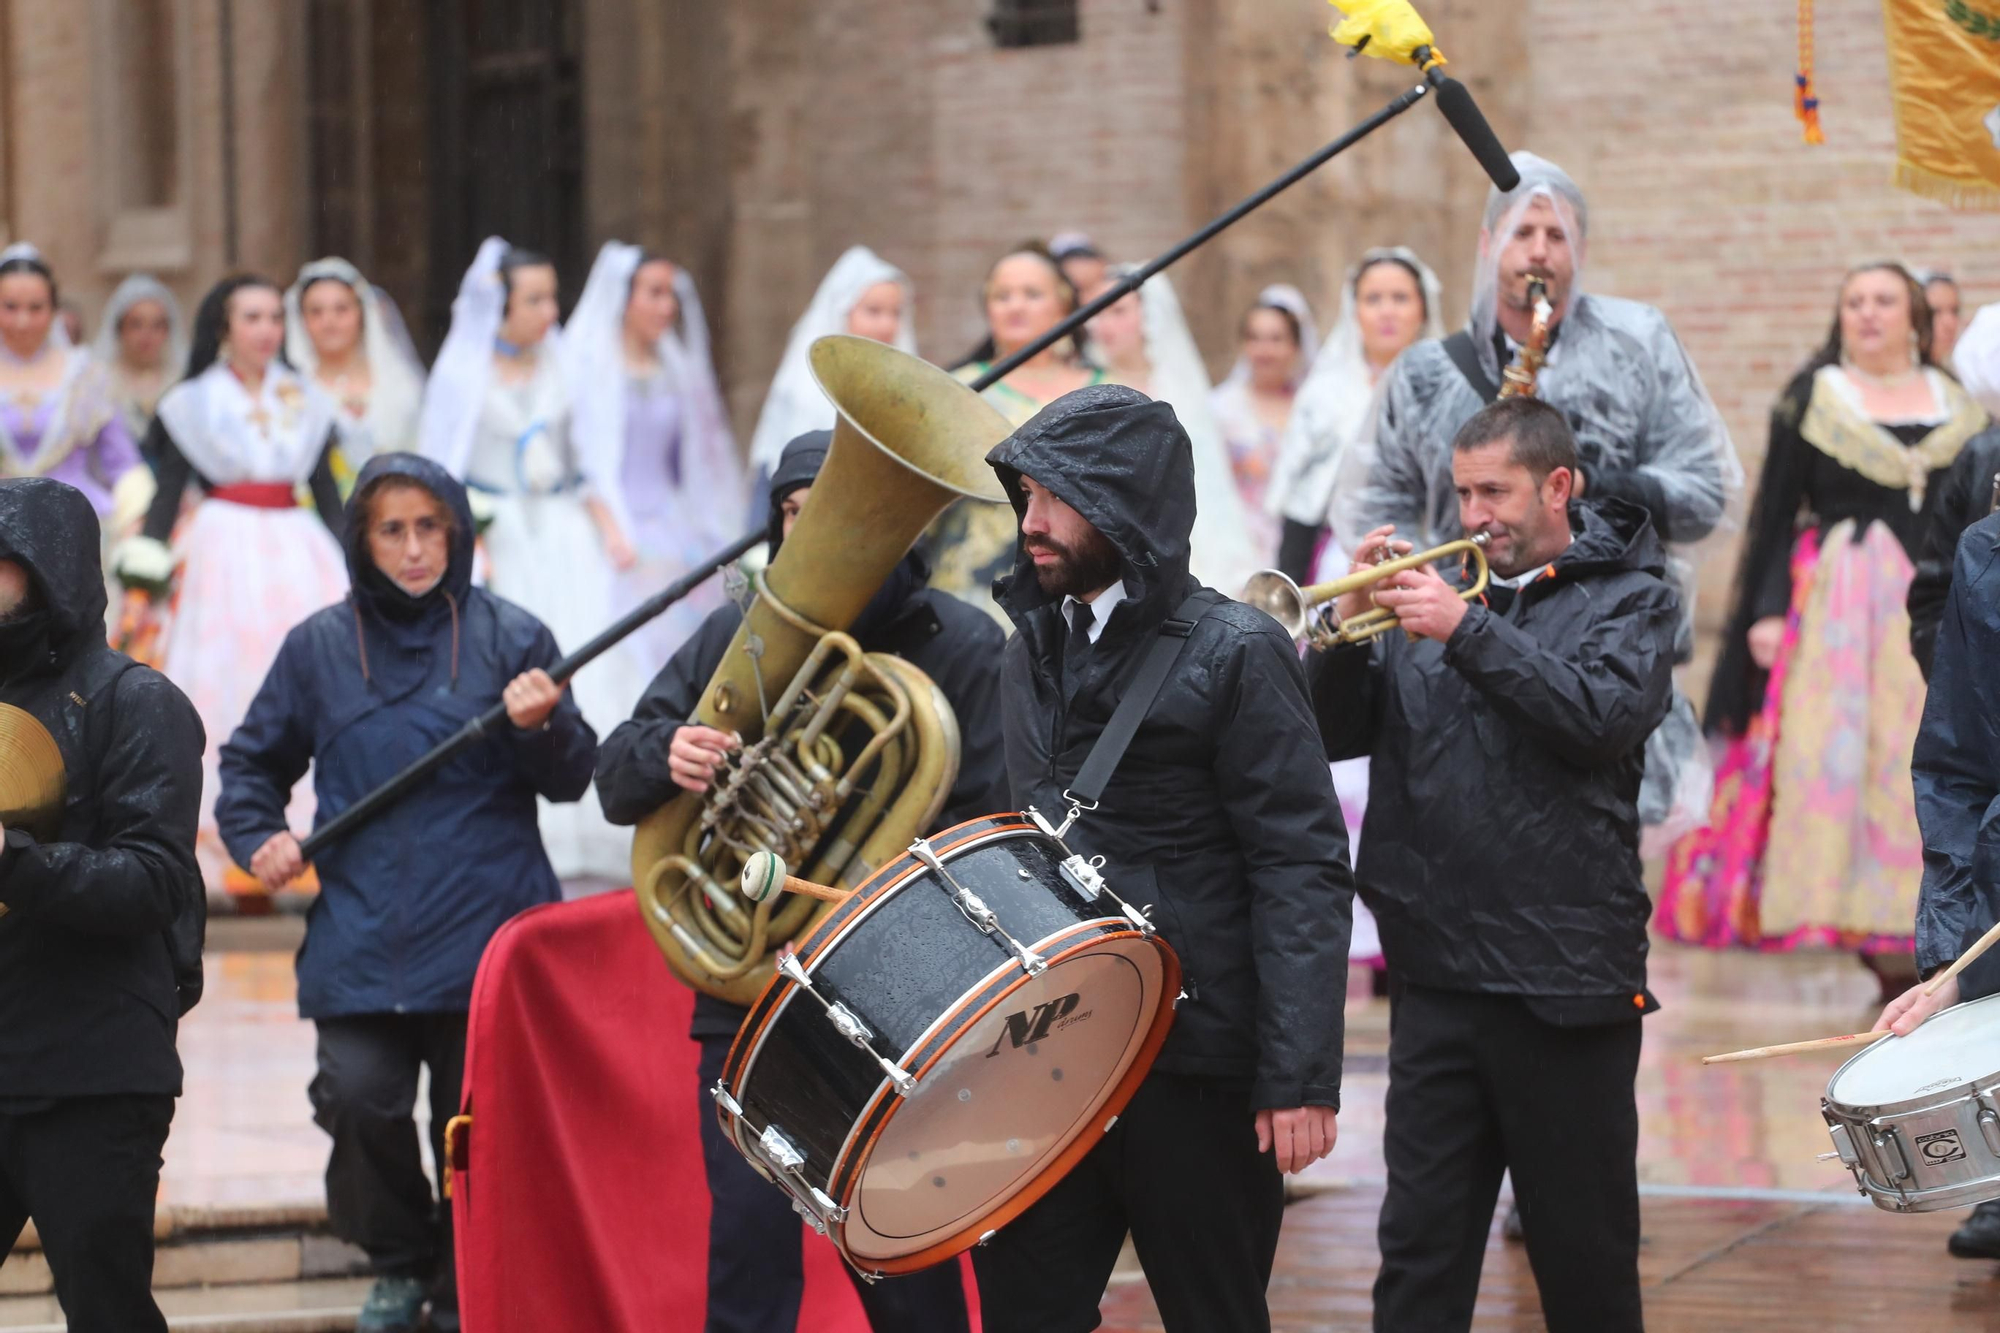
(1944, 72)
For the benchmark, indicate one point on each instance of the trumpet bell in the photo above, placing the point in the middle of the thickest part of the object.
(1277, 596)
(32, 781)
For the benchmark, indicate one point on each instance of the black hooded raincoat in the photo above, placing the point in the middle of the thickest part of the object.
(1222, 816)
(100, 950)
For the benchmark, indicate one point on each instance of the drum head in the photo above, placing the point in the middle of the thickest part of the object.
(1003, 1101)
(1956, 1047)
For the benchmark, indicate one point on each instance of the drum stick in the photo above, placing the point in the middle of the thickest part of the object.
(764, 874)
(1797, 1047)
(1980, 946)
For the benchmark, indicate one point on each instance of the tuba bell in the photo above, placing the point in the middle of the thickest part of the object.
(846, 756)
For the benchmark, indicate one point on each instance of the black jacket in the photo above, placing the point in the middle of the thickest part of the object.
(1956, 770)
(1501, 848)
(100, 950)
(1965, 497)
(1222, 816)
(955, 645)
(361, 689)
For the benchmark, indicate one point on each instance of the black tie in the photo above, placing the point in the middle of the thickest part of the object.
(1080, 618)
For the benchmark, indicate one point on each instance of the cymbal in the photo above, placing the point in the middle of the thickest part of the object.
(32, 781)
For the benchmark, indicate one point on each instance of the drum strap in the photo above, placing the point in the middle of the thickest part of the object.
(1117, 735)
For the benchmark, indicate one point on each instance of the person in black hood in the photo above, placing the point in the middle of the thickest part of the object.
(755, 1264)
(1970, 491)
(1222, 819)
(408, 901)
(101, 917)
(1500, 855)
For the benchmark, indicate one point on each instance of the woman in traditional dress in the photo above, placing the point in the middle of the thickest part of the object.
(498, 415)
(1813, 838)
(1947, 313)
(649, 422)
(1024, 296)
(1389, 300)
(862, 294)
(1143, 342)
(337, 336)
(249, 562)
(57, 418)
(142, 346)
(1276, 344)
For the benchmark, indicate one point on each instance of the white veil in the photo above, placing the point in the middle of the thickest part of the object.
(795, 404)
(593, 360)
(1221, 552)
(395, 376)
(1283, 296)
(1331, 412)
(464, 365)
(134, 289)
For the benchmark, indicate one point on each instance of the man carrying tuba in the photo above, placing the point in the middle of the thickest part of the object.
(755, 1272)
(100, 943)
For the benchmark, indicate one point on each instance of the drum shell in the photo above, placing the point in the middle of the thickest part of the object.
(1937, 1150)
(920, 975)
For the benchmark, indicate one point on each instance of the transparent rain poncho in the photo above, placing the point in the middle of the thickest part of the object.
(1646, 431)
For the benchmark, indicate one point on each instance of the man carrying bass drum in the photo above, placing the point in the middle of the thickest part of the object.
(755, 1264)
(1500, 857)
(1222, 822)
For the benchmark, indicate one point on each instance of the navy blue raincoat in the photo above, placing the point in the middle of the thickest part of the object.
(361, 689)
(1956, 770)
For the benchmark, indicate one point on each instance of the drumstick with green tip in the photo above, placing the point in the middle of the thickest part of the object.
(765, 875)
(1980, 946)
(1798, 1047)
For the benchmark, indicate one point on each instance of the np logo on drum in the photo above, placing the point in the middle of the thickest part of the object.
(1941, 1147)
(1032, 1025)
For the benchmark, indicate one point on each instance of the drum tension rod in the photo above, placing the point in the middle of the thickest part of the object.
(976, 911)
(1086, 877)
(783, 1156)
(847, 1023)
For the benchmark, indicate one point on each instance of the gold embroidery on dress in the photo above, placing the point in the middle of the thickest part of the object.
(1833, 426)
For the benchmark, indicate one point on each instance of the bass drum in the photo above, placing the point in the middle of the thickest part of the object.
(945, 1046)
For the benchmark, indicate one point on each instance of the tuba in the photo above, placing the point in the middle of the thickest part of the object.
(846, 756)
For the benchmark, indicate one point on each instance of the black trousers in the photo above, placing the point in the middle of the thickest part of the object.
(756, 1252)
(365, 1097)
(1477, 1086)
(1180, 1171)
(87, 1170)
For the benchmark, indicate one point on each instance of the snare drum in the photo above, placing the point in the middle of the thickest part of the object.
(948, 1043)
(1917, 1118)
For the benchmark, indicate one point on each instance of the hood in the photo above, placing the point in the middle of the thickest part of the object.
(374, 589)
(1122, 461)
(50, 528)
(1612, 535)
(797, 466)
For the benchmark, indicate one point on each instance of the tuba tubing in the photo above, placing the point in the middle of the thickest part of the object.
(908, 441)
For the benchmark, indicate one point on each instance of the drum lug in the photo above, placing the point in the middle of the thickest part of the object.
(975, 910)
(985, 1238)
(1843, 1146)
(811, 1204)
(1084, 876)
(779, 1149)
(725, 1101)
(848, 1024)
(1886, 1138)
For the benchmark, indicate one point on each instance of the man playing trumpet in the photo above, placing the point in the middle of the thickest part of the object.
(1500, 855)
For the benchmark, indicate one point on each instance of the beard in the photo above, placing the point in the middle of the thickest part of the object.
(1091, 563)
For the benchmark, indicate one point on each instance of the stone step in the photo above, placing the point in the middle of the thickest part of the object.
(212, 1247)
(327, 1305)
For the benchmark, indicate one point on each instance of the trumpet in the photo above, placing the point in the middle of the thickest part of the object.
(1274, 593)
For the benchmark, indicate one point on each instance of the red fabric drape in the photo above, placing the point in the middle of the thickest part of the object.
(582, 1203)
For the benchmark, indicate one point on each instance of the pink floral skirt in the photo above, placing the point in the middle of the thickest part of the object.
(1812, 840)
